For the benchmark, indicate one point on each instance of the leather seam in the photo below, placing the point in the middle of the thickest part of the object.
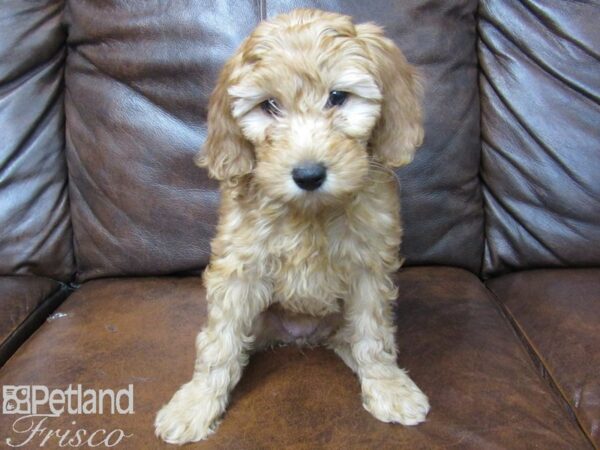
(20, 334)
(484, 218)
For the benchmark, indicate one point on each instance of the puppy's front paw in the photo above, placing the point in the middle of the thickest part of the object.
(190, 416)
(395, 400)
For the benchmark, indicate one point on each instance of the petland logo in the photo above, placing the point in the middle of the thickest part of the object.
(37, 406)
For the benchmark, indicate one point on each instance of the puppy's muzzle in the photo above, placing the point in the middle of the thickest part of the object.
(309, 176)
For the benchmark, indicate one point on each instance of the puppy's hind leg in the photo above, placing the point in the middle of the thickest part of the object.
(193, 412)
(388, 392)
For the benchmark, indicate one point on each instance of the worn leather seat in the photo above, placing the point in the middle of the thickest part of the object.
(453, 338)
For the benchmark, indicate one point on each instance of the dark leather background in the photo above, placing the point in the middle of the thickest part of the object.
(137, 83)
(35, 230)
(138, 78)
(540, 96)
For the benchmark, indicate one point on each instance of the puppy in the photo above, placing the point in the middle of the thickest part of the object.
(304, 126)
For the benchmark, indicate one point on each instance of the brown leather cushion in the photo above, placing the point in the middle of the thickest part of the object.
(138, 78)
(484, 390)
(557, 312)
(540, 101)
(35, 224)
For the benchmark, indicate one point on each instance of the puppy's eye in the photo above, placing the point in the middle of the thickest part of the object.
(336, 98)
(271, 107)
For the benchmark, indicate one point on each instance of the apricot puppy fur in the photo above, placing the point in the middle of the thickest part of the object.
(305, 123)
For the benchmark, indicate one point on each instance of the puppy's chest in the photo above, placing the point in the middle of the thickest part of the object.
(308, 275)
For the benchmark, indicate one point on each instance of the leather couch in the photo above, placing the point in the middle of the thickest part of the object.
(102, 107)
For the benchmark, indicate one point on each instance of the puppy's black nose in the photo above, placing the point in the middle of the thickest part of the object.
(309, 176)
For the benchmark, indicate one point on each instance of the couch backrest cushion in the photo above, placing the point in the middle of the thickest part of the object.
(35, 229)
(540, 92)
(138, 78)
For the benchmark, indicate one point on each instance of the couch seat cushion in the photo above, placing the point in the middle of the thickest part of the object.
(483, 388)
(557, 313)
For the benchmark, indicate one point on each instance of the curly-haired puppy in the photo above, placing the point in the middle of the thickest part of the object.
(304, 125)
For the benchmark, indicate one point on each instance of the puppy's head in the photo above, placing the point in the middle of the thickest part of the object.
(308, 103)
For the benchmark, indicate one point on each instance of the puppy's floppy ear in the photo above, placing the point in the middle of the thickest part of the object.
(226, 152)
(399, 131)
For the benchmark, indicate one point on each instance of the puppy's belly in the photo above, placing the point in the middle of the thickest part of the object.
(278, 325)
